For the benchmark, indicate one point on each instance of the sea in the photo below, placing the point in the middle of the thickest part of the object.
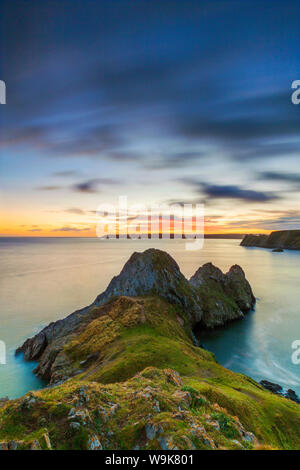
(45, 279)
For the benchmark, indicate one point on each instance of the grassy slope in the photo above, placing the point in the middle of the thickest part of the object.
(139, 339)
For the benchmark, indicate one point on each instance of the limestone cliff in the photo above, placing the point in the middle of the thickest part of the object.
(285, 239)
(224, 297)
(154, 272)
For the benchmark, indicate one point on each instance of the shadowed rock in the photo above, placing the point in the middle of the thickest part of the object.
(154, 272)
(279, 240)
(224, 297)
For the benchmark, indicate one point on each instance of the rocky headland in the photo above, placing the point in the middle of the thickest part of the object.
(209, 299)
(277, 241)
(125, 372)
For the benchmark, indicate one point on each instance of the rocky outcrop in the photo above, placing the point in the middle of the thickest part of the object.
(126, 415)
(258, 241)
(224, 297)
(285, 239)
(48, 343)
(209, 299)
(154, 272)
(238, 288)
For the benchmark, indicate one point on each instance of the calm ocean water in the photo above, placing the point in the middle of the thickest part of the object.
(43, 280)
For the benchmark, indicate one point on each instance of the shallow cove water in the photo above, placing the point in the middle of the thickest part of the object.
(44, 279)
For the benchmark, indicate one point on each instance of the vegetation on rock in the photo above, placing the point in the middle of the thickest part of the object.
(285, 239)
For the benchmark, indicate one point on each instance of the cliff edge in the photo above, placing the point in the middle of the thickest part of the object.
(281, 240)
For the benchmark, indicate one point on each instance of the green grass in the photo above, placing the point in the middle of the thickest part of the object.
(135, 352)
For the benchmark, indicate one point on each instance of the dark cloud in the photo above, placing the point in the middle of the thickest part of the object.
(182, 67)
(267, 150)
(241, 129)
(288, 221)
(175, 160)
(86, 187)
(94, 185)
(214, 191)
(280, 177)
(52, 140)
(89, 186)
(236, 192)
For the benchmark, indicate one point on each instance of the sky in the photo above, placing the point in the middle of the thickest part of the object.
(161, 101)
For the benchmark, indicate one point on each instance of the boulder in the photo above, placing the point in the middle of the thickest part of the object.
(273, 387)
(291, 395)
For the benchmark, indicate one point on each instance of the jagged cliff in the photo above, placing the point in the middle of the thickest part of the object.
(209, 299)
(127, 374)
(285, 239)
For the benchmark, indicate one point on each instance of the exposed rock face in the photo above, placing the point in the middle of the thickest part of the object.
(259, 241)
(272, 387)
(45, 346)
(278, 390)
(285, 239)
(205, 273)
(224, 297)
(237, 287)
(209, 299)
(154, 272)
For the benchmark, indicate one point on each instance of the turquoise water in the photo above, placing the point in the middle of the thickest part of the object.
(43, 280)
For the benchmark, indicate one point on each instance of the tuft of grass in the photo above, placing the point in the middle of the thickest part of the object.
(226, 424)
(197, 401)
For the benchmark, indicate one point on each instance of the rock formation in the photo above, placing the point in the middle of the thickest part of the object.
(285, 239)
(154, 272)
(224, 297)
(209, 299)
(278, 390)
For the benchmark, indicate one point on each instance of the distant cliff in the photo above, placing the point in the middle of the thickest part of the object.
(285, 239)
